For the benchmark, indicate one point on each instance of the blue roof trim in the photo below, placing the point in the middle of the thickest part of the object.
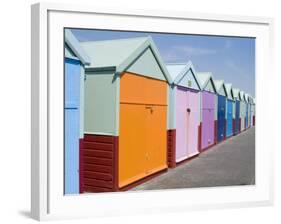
(74, 44)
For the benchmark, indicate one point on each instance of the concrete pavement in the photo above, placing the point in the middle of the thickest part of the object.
(231, 162)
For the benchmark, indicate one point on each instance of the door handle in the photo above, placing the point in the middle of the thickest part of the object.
(150, 108)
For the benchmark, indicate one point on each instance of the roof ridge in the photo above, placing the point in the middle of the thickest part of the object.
(119, 39)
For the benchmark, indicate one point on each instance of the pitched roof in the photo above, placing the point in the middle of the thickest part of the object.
(75, 47)
(228, 87)
(246, 96)
(119, 54)
(204, 78)
(179, 70)
(241, 95)
(220, 84)
(236, 93)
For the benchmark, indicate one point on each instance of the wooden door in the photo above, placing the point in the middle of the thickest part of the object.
(229, 128)
(221, 117)
(208, 114)
(71, 126)
(181, 124)
(193, 113)
(142, 127)
(156, 138)
(132, 143)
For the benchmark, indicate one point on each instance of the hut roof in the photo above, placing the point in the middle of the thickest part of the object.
(76, 48)
(119, 54)
(179, 70)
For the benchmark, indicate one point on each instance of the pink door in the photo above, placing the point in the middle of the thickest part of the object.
(181, 124)
(187, 121)
(193, 123)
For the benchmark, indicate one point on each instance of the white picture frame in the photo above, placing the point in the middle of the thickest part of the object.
(47, 200)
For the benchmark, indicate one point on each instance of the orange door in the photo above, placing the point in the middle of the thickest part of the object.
(132, 161)
(156, 138)
(142, 132)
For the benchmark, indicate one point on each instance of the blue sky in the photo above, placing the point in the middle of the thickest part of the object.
(229, 58)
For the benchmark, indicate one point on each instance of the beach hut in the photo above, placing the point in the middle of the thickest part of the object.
(75, 59)
(237, 110)
(250, 111)
(126, 97)
(184, 113)
(221, 110)
(230, 111)
(208, 111)
(246, 99)
(242, 110)
(254, 111)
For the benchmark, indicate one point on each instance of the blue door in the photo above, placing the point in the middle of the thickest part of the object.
(229, 128)
(246, 120)
(221, 117)
(71, 126)
(237, 116)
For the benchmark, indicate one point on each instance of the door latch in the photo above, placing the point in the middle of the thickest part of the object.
(149, 107)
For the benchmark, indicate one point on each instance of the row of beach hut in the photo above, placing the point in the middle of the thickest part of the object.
(130, 117)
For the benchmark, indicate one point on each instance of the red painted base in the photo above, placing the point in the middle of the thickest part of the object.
(215, 132)
(100, 163)
(171, 148)
(233, 126)
(199, 137)
(239, 125)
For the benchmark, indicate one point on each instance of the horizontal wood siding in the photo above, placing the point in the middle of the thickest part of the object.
(100, 163)
(171, 148)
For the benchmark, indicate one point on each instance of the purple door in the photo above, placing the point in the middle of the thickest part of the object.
(208, 117)
(187, 121)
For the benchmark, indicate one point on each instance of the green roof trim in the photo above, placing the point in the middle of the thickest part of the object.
(74, 45)
(178, 74)
(236, 93)
(228, 87)
(121, 54)
(204, 78)
(220, 86)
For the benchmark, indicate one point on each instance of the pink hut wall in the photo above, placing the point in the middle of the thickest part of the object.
(208, 117)
(186, 123)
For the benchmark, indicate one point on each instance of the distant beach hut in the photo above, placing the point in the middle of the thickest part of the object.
(221, 110)
(184, 112)
(237, 110)
(230, 111)
(208, 110)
